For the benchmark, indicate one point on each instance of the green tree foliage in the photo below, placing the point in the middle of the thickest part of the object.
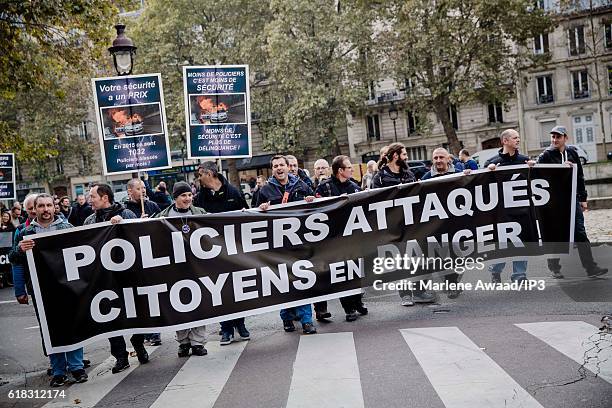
(459, 51)
(46, 58)
(319, 61)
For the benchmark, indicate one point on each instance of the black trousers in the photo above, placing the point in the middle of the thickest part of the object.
(118, 347)
(349, 304)
(581, 241)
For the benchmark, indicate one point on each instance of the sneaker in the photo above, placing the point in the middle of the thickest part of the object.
(495, 278)
(198, 351)
(322, 316)
(143, 356)
(80, 376)
(183, 350)
(288, 326)
(557, 275)
(362, 310)
(156, 342)
(407, 300)
(120, 365)
(86, 363)
(596, 271)
(244, 333)
(351, 317)
(423, 297)
(58, 381)
(226, 339)
(308, 328)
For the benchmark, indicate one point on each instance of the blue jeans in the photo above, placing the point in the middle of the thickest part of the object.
(69, 361)
(519, 269)
(304, 313)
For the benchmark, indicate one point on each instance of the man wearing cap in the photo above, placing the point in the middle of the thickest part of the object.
(194, 338)
(557, 153)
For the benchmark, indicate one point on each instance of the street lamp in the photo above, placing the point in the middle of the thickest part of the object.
(393, 113)
(123, 51)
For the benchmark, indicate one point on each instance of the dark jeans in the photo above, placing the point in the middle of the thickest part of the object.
(582, 242)
(351, 303)
(118, 348)
(228, 326)
(320, 307)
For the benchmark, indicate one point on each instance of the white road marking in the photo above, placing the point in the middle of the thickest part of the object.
(462, 374)
(202, 378)
(579, 341)
(325, 373)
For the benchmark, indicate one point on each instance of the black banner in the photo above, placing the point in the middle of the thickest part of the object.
(146, 275)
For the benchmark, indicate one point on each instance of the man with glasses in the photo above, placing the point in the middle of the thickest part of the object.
(557, 153)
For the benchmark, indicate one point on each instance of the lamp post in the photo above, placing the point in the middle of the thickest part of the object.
(393, 113)
(123, 51)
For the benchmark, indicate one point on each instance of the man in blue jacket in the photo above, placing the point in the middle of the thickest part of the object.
(283, 187)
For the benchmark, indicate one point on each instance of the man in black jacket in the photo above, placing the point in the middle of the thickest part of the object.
(80, 211)
(283, 187)
(137, 199)
(559, 153)
(340, 183)
(393, 170)
(296, 171)
(508, 155)
(216, 193)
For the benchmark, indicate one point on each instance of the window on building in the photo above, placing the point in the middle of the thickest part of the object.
(608, 34)
(496, 113)
(580, 84)
(417, 153)
(540, 44)
(545, 128)
(371, 90)
(452, 113)
(412, 122)
(59, 166)
(373, 127)
(545, 89)
(576, 40)
(83, 131)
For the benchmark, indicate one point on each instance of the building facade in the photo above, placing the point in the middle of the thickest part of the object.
(572, 86)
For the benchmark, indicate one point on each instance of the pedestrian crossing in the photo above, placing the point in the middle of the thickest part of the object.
(326, 371)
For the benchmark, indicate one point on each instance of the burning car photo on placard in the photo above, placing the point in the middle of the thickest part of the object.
(131, 120)
(211, 109)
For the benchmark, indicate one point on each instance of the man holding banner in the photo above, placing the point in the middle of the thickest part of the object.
(45, 221)
(284, 187)
(106, 209)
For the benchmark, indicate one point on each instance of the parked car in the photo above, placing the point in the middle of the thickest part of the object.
(583, 155)
(419, 167)
(482, 156)
(133, 128)
(220, 116)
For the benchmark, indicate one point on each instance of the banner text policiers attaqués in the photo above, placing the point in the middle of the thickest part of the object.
(143, 276)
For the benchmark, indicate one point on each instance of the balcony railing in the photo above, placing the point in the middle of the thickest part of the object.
(386, 96)
(546, 98)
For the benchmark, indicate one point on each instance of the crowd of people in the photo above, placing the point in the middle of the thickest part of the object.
(288, 183)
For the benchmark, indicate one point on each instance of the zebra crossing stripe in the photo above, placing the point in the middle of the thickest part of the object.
(579, 341)
(101, 382)
(201, 379)
(461, 373)
(325, 373)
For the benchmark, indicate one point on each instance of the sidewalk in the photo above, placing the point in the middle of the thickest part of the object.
(599, 225)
